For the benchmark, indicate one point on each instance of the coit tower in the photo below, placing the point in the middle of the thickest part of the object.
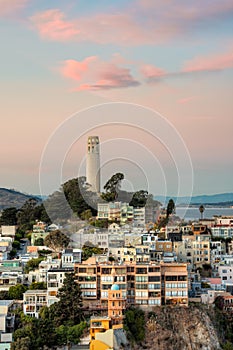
(93, 163)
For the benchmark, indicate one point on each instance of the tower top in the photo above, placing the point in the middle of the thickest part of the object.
(93, 140)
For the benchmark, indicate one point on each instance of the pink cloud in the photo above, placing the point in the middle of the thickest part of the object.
(151, 72)
(52, 25)
(186, 99)
(150, 22)
(94, 74)
(8, 7)
(210, 63)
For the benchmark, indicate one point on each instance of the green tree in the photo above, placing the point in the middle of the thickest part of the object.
(25, 216)
(79, 197)
(21, 344)
(4, 295)
(37, 285)
(9, 216)
(88, 251)
(70, 335)
(13, 253)
(134, 324)
(39, 242)
(170, 208)
(33, 264)
(68, 310)
(16, 292)
(112, 187)
(57, 240)
(86, 215)
(40, 214)
(139, 199)
(201, 210)
(16, 244)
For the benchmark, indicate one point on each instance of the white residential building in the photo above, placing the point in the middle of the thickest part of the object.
(33, 301)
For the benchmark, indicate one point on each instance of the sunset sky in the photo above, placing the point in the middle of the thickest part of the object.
(61, 57)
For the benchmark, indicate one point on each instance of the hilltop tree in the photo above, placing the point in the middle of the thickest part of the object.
(112, 187)
(56, 240)
(139, 199)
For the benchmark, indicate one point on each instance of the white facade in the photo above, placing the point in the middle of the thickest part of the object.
(8, 231)
(93, 163)
(33, 301)
(55, 281)
(226, 273)
(222, 231)
(139, 217)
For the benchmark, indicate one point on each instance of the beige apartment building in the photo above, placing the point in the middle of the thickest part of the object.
(142, 284)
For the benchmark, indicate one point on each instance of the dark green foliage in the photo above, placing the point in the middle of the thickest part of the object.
(57, 240)
(4, 295)
(40, 214)
(16, 244)
(112, 187)
(21, 344)
(13, 253)
(139, 199)
(16, 292)
(88, 251)
(38, 285)
(170, 208)
(57, 325)
(103, 223)
(68, 310)
(228, 346)
(9, 216)
(70, 335)
(79, 198)
(33, 264)
(134, 324)
(39, 242)
(86, 215)
(25, 216)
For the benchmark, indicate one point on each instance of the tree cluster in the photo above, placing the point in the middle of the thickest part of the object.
(60, 324)
(134, 324)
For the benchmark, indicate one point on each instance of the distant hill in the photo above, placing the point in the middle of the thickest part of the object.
(214, 199)
(12, 198)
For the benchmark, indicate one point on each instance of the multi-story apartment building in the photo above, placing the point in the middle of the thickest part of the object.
(194, 249)
(139, 217)
(33, 301)
(55, 279)
(115, 211)
(174, 283)
(141, 283)
(222, 231)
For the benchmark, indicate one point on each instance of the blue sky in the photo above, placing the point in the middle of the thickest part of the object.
(174, 57)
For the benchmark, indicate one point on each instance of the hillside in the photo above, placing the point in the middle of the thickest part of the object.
(180, 328)
(12, 198)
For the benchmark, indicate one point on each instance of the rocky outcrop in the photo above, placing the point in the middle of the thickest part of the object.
(179, 328)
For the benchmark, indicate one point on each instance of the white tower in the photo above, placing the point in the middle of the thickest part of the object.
(93, 163)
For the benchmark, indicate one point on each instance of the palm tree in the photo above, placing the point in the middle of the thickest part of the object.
(201, 210)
